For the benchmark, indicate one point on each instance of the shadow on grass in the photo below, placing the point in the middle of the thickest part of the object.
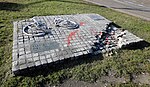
(65, 1)
(10, 6)
(47, 69)
(138, 45)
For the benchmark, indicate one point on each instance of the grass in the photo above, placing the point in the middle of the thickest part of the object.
(127, 62)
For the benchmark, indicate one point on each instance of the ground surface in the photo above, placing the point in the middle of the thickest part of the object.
(128, 63)
(134, 7)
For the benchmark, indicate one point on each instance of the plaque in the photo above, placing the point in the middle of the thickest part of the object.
(42, 46)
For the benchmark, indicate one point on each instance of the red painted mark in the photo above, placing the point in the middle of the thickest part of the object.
(70, 37)
(100, 33)
(82, 23)
(107, 39)
(108, 43)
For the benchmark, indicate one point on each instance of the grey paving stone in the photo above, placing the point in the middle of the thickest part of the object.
(36, 58)
(22, 61)
(48, 56)
(14, 56)
(43, 61)
(52, 51)
(46, 52)
(15, 47)
(21, 53)
(15, 68)
(55, 59)
(14, 63)
(29, 55)
(61, 57)
(80, 53)
(31, 64)
(49, 60)
(35, 54)
(21, 49)
(76, 54)
(42, 57)
(30, 60)
(37, 63)
(21, 57)
(53, 55)
(22, 66)
(85, 52)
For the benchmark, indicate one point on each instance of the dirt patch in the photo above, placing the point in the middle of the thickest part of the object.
(73, 83)
(112, 79)
(105, 81)
(143, 78)
(102, 82)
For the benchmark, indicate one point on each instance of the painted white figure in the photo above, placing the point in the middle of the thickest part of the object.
(120, 42)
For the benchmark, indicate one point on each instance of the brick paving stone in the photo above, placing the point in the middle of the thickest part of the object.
(15, 68)
(43, 61)
(42, 57)
(36, 59)
(85, 52)
(35, 54)
(22, 61)
(21, 57)
(30, 60)
(14, 63)
(14, 56)
(30, 64)
(48, 56)
(49, 60)
(55, 59)
(22, 66)
(28, 55)
(37, 63)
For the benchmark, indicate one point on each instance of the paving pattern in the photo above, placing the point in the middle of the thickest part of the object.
(59, 44)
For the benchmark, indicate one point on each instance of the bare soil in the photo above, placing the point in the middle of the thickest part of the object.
(105, 81)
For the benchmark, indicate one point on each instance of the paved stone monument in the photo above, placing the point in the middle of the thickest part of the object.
(59, 43)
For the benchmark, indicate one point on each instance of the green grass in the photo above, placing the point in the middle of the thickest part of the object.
(125, 63)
